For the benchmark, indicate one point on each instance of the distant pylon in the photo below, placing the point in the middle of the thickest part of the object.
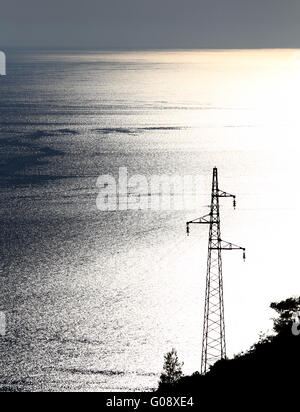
(214, 343)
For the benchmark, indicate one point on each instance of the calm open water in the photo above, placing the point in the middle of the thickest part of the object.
(94, 299)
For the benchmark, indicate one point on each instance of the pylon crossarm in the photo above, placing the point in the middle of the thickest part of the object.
(223, 245)
(201, 220)
(224, 194)
(220, 193)
(230, 246)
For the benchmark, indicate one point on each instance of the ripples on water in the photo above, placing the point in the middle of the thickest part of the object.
(94, 299)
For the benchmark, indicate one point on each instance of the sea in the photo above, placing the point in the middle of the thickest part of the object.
(91, 299)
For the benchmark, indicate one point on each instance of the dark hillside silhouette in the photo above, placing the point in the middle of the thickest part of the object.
(271, 367)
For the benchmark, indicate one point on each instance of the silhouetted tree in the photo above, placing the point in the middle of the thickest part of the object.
(286, 310)
(172, 371)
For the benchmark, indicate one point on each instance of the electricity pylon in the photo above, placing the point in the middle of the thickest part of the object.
(214, 343)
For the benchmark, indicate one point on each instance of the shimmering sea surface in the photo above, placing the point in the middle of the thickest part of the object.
(94, 299)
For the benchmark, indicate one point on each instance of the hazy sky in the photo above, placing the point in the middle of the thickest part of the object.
(151, 23)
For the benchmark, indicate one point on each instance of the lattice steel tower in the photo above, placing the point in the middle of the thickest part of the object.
(214, 343)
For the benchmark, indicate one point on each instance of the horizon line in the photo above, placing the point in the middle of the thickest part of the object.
(84, 48)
